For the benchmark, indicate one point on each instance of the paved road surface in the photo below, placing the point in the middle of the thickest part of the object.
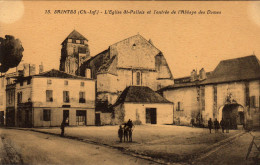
(17, 147)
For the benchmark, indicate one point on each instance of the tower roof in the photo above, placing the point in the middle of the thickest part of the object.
(75, 35)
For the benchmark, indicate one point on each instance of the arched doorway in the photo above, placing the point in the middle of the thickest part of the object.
(234, 113)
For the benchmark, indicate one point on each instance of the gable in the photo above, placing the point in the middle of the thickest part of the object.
(133, 51)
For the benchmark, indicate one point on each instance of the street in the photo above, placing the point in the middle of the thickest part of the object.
(29, 147)
(233, 152)
(26, 147)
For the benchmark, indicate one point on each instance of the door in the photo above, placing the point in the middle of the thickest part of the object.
(97, 119)
(2, 118)
(151, 117)
(81, 117)
(66, 117)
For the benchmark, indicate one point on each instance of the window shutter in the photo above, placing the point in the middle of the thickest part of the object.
(64, 96)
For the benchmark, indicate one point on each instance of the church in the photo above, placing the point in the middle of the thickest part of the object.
(133, 61)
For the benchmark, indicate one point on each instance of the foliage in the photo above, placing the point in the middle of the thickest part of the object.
(11, 51)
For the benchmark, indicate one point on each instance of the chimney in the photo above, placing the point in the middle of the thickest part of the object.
(41, 68)
(203, 75)
(32, 69)
(26, 68)
(193, 76)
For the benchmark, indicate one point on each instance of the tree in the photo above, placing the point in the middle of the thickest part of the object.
(11, 53)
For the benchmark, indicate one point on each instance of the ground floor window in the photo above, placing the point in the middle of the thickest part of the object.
(46, 115)
(81, 117)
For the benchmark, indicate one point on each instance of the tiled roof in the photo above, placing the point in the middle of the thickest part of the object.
(140, 94)
(238, 69)
(75, 35)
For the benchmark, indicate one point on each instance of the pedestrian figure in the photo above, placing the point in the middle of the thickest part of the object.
(120, 133)
(210, 125)
(130, 131)
(130, 123)
(216, 125)
(126, 132)
(227, 126)
(62, 127)
(222, 124)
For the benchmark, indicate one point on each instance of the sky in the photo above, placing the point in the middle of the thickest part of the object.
(187, 41)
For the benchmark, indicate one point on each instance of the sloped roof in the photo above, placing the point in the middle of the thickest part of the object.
(237, 69)
(109, 66)
(58, 74)
(244, 68)
(140, 94)
(75, 35)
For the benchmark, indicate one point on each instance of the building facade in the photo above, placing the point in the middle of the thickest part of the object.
(143, 106)
(48, 98)
(122, 65)
(230, 92)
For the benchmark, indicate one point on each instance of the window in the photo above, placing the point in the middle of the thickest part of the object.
(66, 82)
(82, 41)
(21, 83)
(19, 97)
(82, 97)
(28, 81)
(49, 96)
(179, 107)
(138, 78)
(82, 84)
(252, 102)
(81, 117)
(73, 41)
(46, 115)
(49, 81)
(66, 97)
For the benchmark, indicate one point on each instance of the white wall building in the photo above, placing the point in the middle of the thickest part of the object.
(50, 97)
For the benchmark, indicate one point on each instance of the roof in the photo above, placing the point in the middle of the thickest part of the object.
(75, 35)
(58, 74)
(140, 94)
(238, 69)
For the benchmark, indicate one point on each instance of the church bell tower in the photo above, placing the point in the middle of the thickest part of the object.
(74, 52)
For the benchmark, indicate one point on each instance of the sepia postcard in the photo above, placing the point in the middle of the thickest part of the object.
(129, 82)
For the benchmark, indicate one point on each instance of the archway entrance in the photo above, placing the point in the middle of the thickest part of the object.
(234, 113)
